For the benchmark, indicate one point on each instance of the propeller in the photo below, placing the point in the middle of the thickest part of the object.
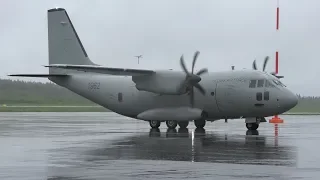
(266, 59)
(192, 79)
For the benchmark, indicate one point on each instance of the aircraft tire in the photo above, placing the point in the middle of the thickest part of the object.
(171, 124)
(154, 124)
(200, 123)
(183, 124)
(252, 126)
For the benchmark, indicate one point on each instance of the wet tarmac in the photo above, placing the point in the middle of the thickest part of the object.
(76, 146)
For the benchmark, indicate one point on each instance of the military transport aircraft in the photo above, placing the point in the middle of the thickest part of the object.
(174, 97)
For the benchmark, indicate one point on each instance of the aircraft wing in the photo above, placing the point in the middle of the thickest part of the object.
(103, 70)
(39, 75)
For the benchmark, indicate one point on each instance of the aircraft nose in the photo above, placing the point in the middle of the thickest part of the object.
(292, 99)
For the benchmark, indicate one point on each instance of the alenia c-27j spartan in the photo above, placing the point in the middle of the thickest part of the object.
(176, 97)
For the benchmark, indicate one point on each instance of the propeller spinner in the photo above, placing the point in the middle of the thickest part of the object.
(266, 59)
(193, 79)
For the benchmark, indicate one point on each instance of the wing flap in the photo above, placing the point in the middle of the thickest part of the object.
(38, 75)
(103, 70)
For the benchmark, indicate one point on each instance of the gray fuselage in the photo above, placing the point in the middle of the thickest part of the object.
(228, 94)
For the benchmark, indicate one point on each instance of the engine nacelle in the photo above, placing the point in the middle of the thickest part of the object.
(162, 82)
(173, 113)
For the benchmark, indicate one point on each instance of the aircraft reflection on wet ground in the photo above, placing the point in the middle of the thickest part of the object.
(199, 146)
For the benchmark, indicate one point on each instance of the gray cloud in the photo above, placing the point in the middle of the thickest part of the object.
(226, 32)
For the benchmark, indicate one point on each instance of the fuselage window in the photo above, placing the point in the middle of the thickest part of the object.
(259, 96)
(120, 97)
(266, 95)
(252, 83)
(260, 83)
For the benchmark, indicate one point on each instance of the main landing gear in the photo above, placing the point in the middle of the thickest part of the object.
(154, 124)
(182, 124)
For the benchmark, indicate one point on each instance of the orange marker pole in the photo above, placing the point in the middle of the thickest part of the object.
(276, 119)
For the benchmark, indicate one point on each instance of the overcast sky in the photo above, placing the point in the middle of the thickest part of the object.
(226, 32)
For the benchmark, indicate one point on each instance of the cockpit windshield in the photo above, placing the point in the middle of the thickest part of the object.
(278, 82)
(275, 80)
(269, 81)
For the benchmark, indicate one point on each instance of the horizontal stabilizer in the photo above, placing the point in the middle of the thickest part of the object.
(39, 75)
(103, 70)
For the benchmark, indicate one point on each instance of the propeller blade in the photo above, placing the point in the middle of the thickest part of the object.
(195, 57)
(183, 65)
(202, 71)
(200, 88)
(265, 63)
(254, 65)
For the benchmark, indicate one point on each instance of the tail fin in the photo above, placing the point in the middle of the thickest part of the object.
(65, 46)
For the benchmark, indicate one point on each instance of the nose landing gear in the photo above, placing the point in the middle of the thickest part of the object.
(252, 123)
(252, 126)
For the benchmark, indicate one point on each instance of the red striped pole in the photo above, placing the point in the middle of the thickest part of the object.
(278, 14)
(277, 28)
(276, 119)
(277, 62)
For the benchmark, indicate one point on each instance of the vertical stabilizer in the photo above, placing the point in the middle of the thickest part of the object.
(65, 46)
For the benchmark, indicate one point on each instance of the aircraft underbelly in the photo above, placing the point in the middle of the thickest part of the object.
(231, 99)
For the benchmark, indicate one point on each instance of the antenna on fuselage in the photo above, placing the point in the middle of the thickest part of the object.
(140, 56)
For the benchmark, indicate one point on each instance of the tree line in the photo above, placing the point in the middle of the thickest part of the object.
(16, 92)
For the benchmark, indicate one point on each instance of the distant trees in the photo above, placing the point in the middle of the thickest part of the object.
(15, 92)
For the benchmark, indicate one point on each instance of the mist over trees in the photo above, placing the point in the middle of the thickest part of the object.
(15, 92)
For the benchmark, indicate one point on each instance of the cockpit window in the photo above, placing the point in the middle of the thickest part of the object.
(279, 83)
(260, 83)
(282, 84)
(274, 80)
(252, 83)
(269, 84)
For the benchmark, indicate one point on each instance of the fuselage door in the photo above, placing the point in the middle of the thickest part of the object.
(233, 98)
(259, 93)
(210, 105)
